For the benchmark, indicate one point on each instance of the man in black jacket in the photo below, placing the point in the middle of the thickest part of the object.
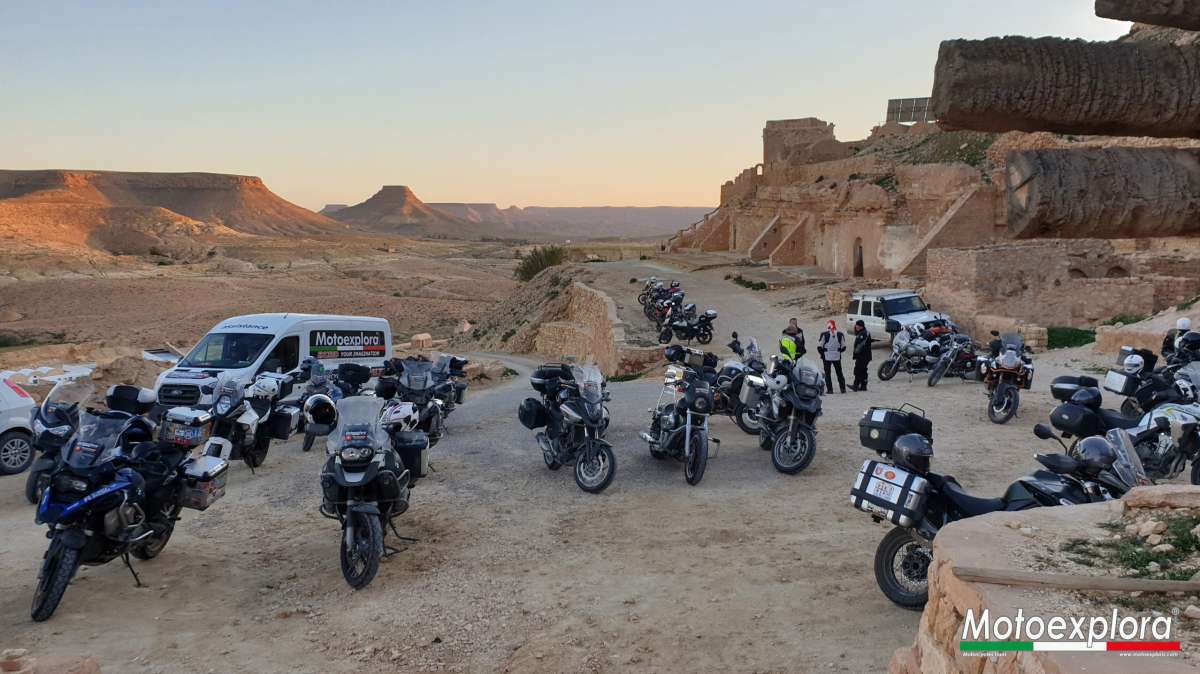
(862, 356)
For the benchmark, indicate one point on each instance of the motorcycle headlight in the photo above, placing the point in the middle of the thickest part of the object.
(61, 431)
(223, 404)
(357, 454)
(68, 484)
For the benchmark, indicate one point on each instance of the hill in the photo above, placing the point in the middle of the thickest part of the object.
(395, 208)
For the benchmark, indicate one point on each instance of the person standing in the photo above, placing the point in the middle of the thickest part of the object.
(862, 355)
(831, 345)
(793, 330)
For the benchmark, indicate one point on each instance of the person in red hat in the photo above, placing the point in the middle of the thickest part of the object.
(831, 346)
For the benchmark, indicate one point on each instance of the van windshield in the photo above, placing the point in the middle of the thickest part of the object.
(227, 350)
(909, 304)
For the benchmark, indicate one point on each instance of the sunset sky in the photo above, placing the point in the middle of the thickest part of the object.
(528, 103)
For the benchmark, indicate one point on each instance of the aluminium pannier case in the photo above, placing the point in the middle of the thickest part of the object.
(751, 391)
(284, 421)
(204, 482)
(460, 392)
(896, 495)
(1120, 383)
(413, 448)
(1062, 388)
(880, 427)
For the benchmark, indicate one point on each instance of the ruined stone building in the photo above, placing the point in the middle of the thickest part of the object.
(1060, 186)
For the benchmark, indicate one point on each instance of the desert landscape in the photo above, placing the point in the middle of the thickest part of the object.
(1046, 189)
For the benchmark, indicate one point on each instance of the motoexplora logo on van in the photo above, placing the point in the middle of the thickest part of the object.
(985, 634)
(346, 343)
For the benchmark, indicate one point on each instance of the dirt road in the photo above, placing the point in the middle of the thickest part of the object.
(515, 568)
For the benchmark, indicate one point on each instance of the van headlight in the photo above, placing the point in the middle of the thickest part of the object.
(357, 454)
(223, 404)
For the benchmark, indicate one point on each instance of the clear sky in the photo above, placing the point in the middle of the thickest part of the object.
(554, 103)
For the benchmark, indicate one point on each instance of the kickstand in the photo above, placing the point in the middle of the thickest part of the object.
(406, 539)
(128, 565)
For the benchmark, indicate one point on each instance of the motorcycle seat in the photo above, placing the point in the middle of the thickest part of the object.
(1114, 419)
(970, 505)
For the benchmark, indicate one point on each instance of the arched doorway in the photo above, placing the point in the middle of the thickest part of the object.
(858, 257)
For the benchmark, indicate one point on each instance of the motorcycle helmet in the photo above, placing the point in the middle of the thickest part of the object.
(1134, 364)
(690, 307)
(1189, 343)
(385, 388)
(265, 387)
(1090, 398)
(403, 415)
(320, 410)
(129, 399)
(1094, 455)
(674, 284)
(675, 353)
(1183, 324)
(913, 451)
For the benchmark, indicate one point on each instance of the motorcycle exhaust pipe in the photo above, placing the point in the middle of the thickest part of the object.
(646, 437)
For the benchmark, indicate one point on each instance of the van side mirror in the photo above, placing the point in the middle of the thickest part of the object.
(892, 326)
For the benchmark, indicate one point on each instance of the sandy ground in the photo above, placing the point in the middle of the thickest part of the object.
(518, 570)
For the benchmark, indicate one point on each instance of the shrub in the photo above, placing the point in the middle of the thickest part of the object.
(632, 280)
(1188, 304)
(746, 283)
(1061, 338)
(538, 259)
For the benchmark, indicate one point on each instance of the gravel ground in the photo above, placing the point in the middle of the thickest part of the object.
(518, 570)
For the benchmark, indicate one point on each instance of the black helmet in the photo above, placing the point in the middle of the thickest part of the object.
(1190, 342)
(1094, 455)
(385, 388)
(1090, 398)
(913, 452)
(320, 410)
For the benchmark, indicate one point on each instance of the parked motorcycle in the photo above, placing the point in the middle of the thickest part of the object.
(739, 385)
(959, 359)
(913, 351)
(679, 421)
(116, 493)
(364, 482)
(316, 382)
(572, 411)
(448, 369)
(413, 380)
(649, 288)
(246, 417)
(1009, 370)
(1166, 437)
(699, 328)
(903, 490)
(54, 421)
(787, 416)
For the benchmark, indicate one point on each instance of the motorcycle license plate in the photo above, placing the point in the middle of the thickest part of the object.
(186, 434)
(884, 490)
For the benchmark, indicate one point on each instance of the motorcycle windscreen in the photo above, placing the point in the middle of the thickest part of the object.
(97, 441)
(68, 397)
(591, 388)
(358, 423)
(1012, 340)
(1128, 465)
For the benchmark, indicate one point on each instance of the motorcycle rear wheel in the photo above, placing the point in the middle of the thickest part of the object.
(790, 455)
(257, 455)
(693, 469)
(704, 337)
(57, 571)
(888, 369)
(309, 439)
(360, 564)
(902, 569)
(746, 420)
(150, 548)
(1196, 472)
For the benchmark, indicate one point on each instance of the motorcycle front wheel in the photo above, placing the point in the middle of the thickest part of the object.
(792, 452)
(746, 419)
(704, 336)
(594, 469)
(902, 569)
(309, 439)
(1003, 405)
(693, 469)
(35, 482)
(255, 456)
(888, 369)
(664, 337)
(1196, 472)
(57, 570)
(361, 552)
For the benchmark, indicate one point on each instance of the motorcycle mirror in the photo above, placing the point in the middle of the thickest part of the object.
(735, 334)
(1043, 432)
(995, 333)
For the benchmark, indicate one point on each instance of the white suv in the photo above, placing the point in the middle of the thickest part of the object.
(877, 308)
(16, 438)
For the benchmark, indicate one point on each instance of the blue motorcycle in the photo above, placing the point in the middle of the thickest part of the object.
(117, 492)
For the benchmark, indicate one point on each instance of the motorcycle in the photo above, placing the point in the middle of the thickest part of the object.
(959, 359)
(413, 380)
(699, 328)
(246, 417)
(1166, 437)
(665, 311)
(679, 426)
(903, 490)
(316, 382)
(116, 493)
(53, 423)
(735, 393)
(1009, 370)
(450, 370)
(649, 289)
(364, 482)
(914, 351)
(788, 415)
(572, 411)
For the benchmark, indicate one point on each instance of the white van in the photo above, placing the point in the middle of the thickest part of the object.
(246, 346)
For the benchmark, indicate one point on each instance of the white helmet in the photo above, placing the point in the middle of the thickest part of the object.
(1134, 364)
(402, 414)
(265, 387)
(1183, 324)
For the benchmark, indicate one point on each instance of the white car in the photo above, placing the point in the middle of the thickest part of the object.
(16, 437)
(898, 307)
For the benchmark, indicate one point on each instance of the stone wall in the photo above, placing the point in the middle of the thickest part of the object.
(589, 330)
